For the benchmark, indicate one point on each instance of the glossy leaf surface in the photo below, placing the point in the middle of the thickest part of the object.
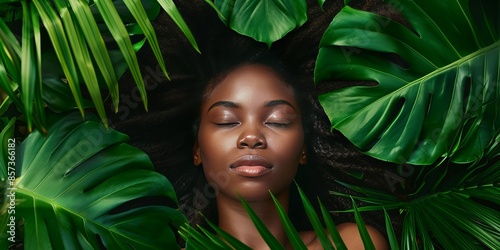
(450, 208)
(80, 33)
(436, 92)
(264, 20)
(83, 187)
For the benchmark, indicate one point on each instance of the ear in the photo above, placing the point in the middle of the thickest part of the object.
(196, 154)
(303, 156)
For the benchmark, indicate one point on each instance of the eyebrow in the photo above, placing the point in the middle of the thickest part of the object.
(229, 104)
(226, 104)
(279, 102)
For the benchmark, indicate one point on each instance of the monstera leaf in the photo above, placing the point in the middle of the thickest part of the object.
(436, 90)
(83, 187)
(264, 20)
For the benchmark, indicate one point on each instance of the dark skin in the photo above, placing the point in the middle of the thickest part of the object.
(250, 142)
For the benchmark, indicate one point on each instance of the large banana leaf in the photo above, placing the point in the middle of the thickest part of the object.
(264, 20)
(436, 93)
(83, 187)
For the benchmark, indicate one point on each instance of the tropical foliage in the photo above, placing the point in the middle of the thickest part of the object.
(265, 21)
(197, 240)
(80, 33)
(435, 104)
(72, 181)
(441, 100)
(83, 187)
(431, 105)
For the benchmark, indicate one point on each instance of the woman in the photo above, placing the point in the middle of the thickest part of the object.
(251, 140)
(166, 134)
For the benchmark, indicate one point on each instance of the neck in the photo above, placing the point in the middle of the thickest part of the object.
(234, 219)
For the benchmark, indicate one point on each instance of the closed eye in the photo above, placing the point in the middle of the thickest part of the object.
(227, 124)
(278, 124)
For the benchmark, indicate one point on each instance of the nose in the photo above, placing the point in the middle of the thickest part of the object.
(252, 138)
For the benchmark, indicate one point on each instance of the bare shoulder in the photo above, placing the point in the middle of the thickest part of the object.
(350, 235)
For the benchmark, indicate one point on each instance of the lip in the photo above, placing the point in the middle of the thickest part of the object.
(251, 166)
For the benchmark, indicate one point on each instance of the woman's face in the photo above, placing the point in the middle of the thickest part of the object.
(250, 138)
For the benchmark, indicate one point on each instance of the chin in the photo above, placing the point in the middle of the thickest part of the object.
(255, 191)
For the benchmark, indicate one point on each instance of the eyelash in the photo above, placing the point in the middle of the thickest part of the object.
(233, 124)
(278, 124)
(228, 124)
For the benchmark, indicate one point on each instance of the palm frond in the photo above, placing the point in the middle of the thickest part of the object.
(268, 237)
(196, 240)
(363, 232)
(315, 222)
(293, 235)
(6, 138)
(462, 214)
(80, 32)
(391, 234)
(334, 233)
(55, 29)
(96, 44)
(173, 12)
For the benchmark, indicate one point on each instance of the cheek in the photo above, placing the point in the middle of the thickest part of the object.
(214, 150)
(290, 147)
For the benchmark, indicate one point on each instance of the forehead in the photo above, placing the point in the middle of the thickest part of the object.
(252, 82)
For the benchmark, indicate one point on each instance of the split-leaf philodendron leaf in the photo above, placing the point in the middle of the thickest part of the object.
(83, 187)
(438, 98)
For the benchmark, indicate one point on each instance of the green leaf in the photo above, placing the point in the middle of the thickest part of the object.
(391, 234)
(8, 86)
(6, 139)
(193, 245)
(82, 58)
(82, 186)
(433, 81)
(80, 40)
(137, 10)
(214, 238)
(57, 95)
(39, 105)
(28, 66)
(173, 12)
(205, 241)
(221, 16)
(10, 12)
(263, 20)
(321, 3)
(363, 232)
(314, 219)
(96, 44)
(117, 28)
(10, 51)
(227, 237)
(291, 232)
(55, 30)
(5, 105)
(268, 237)
(332, 229)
